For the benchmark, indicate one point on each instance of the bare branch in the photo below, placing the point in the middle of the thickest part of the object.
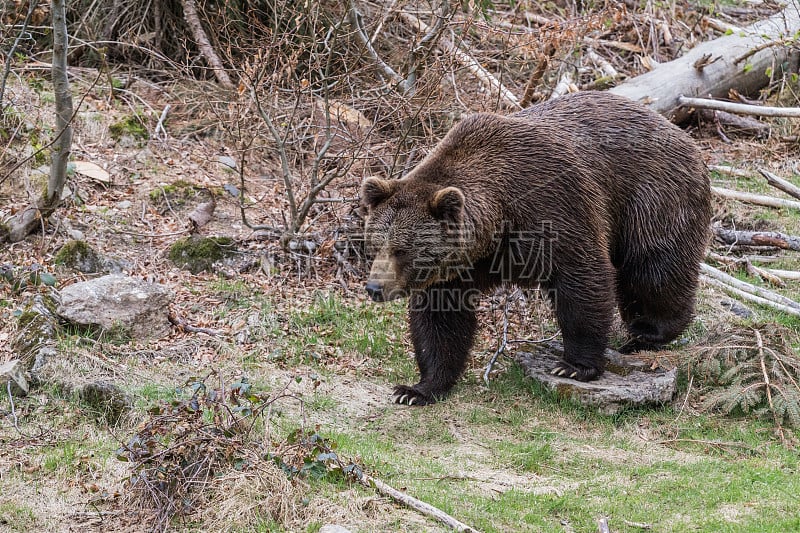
(468, 61)
(779, 183)
(190, 14)
(413, 503)
(356, 22)
(281, 146)
(758, 238)
(10, 54)
(756, 199)
(786, 304)
(741, 109)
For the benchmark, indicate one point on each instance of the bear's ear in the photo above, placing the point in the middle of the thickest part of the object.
(448, 204)
(375, 190)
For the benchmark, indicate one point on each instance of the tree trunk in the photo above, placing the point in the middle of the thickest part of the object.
(738, 61)
(31, 218)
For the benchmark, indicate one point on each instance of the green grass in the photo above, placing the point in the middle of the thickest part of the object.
(332, 328)
(708, 474)
(16, 517)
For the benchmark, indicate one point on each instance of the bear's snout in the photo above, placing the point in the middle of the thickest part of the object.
(375, 291)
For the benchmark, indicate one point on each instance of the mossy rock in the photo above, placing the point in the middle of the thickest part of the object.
(37, 329)
(79, 255)
(106, 401)
(176, 194)
(198, 254)
(132, 126)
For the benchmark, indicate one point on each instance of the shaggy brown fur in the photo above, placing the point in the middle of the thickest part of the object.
(594, 198)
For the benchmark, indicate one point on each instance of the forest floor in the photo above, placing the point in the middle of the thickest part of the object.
(314, 362)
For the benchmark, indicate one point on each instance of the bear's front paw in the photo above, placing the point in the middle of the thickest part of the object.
(405, 395)
(577, 372)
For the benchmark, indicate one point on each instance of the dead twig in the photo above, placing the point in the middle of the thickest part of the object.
(725, 169)
(768, 386)
(766, 294)
(355, 20)
(10, 55)
(536, 76)
(180, 323)
(749, 267)
(160, 124)
(763, 46)
(744, 295)
(566, 84)
(602, 63)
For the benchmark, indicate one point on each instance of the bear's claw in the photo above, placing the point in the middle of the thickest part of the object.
(576, 372)
(404, 395)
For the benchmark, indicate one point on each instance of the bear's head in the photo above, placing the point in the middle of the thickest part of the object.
(416, 232)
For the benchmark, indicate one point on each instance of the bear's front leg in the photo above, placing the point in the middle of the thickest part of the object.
(442, 322)
(584, 310)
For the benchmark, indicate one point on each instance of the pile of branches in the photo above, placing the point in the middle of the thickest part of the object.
(183, 456)
(744, 371)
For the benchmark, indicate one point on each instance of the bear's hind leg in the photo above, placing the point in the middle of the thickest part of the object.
(656, 302)
(584, 310)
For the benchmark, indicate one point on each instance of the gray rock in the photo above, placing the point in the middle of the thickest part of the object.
(626, 381)
(228, 161)
(116, 302)
(13, 372)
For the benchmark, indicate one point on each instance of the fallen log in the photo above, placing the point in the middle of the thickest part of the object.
(758, 238)
(662, 87)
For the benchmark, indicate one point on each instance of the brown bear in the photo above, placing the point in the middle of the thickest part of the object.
(595, 199)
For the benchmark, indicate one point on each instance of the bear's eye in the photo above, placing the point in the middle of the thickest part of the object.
(399, 253)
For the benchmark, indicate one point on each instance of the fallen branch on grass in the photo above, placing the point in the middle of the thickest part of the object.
(740, 109)
(413, 503)
(748, 291)
(751, 269)
(779, 183)
(758, 238)
(750, 297)
(756, 199)
(791, 275)
(725, 169)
